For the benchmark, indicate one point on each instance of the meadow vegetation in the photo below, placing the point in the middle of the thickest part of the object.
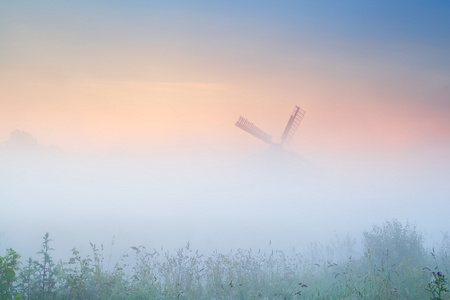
(393, 264)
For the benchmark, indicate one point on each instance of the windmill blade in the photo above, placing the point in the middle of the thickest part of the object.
(292, 125)
(245, 125)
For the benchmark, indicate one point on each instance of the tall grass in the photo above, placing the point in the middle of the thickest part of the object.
(381, 270)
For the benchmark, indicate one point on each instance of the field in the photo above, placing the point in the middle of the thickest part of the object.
(393, 264)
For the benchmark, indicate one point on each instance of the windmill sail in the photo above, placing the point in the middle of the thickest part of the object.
(245, 125)
(292, 125)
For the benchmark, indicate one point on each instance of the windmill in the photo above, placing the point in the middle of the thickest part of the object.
(291, 127)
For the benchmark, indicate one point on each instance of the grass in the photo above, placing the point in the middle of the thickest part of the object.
(383, 270)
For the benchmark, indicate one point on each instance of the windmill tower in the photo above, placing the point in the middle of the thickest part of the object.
(291, 127)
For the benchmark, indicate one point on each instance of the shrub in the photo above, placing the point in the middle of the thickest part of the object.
(400, 243)
(9, 264)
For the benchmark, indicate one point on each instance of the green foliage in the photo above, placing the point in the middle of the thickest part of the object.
(29, 280)
(85, 278)
(438, 285)
(384, 271)
(46, 269)
(400, 243)
(9, 264)
(37, 278)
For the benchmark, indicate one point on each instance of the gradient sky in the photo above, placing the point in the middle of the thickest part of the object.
(172, 77)
(96, 75)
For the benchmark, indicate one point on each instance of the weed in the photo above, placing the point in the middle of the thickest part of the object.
(384, 271)
(438, 285)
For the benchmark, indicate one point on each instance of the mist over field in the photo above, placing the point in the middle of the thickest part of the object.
(215, 201)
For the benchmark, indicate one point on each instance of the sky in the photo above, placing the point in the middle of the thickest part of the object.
(162, 84)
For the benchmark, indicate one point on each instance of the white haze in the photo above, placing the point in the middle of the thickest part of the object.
(214, 201)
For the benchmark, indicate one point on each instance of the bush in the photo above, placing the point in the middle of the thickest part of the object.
(395, 241)
(9, 264)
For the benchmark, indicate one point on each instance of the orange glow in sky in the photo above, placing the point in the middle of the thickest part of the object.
(140, 80)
